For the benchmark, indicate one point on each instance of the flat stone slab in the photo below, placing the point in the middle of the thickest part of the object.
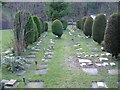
(112, 64)
(84, 61)
(91, 71)
(30, 56)
(27, 65)
(44, 71)
(48, 56)
(43, 66)
(11, 82)
(35, 85)
(49, 53)
(21, 72)
(113, 71)
(103, 59)
(99, 84)
(30, 59)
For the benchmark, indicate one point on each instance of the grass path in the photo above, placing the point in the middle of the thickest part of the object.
(63, 70)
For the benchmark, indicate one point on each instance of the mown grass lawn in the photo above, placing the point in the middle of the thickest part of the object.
(6, 39)
(62, 71)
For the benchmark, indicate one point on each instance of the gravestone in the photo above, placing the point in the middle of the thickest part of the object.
(98, 64)
(11, 82)
(108, 54)
(112, 64)
(44, 71)
(91, 71)
(103, 59)
(30, 59)
(21, 72)
(113, 71)
(30, 56)
(43, 65)
(35, 85)
(84, 61)
(48, 56)
(99, 84)
(27, 65)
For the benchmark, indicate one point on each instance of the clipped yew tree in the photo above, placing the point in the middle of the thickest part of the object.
(41, 25)
(82, 22)
(112, 35)
(78, 24)
(88, 26)
(65, 23)
(57, 28)
(45, 26)
(37, 22)
(30, 31)
(98, 28)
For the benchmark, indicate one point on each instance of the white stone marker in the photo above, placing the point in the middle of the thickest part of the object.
(103, 59)
(112, 64)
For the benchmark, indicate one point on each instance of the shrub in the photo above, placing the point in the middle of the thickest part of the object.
(41, 25)
(65, 23)
(57, 28)
(30, 31)
(112, 35)
(82, 22)
(37, 22)
(78, 24)
(88, 26)
(98, 28)
(45, 26)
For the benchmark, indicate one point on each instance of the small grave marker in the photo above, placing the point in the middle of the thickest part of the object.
(103, 59)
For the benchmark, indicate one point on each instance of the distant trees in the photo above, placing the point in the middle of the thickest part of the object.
(57, 10)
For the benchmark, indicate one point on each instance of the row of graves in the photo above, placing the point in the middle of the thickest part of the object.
(27, 60)
(91, 67)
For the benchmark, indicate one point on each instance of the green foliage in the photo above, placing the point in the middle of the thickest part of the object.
(37, 22)
(82, 22)
(57, 10)
(98, 28)
(41, 25)
(88, 26)
(65, 23)
(14, 64)
(57, 28)
(46, 26)
(112, 35)
(78, 24)
(30, 31)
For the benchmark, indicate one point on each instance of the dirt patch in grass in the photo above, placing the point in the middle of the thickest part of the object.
(72, 62)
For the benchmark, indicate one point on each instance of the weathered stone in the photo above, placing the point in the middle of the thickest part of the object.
(83, 64)
(30, 59)
(91, 71)
(113, 71)
(98, 64)
(108, 54)
(86, 55)
(48, 57)
(43, 66)
(44, 71)
(105, 64)
(21, 72)
(35, 85)
(84, 61)
(112, 64)
(103, 59)
(30, 56)
(11, 82)
(99, 84)
(102, 55)
(96, 55)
